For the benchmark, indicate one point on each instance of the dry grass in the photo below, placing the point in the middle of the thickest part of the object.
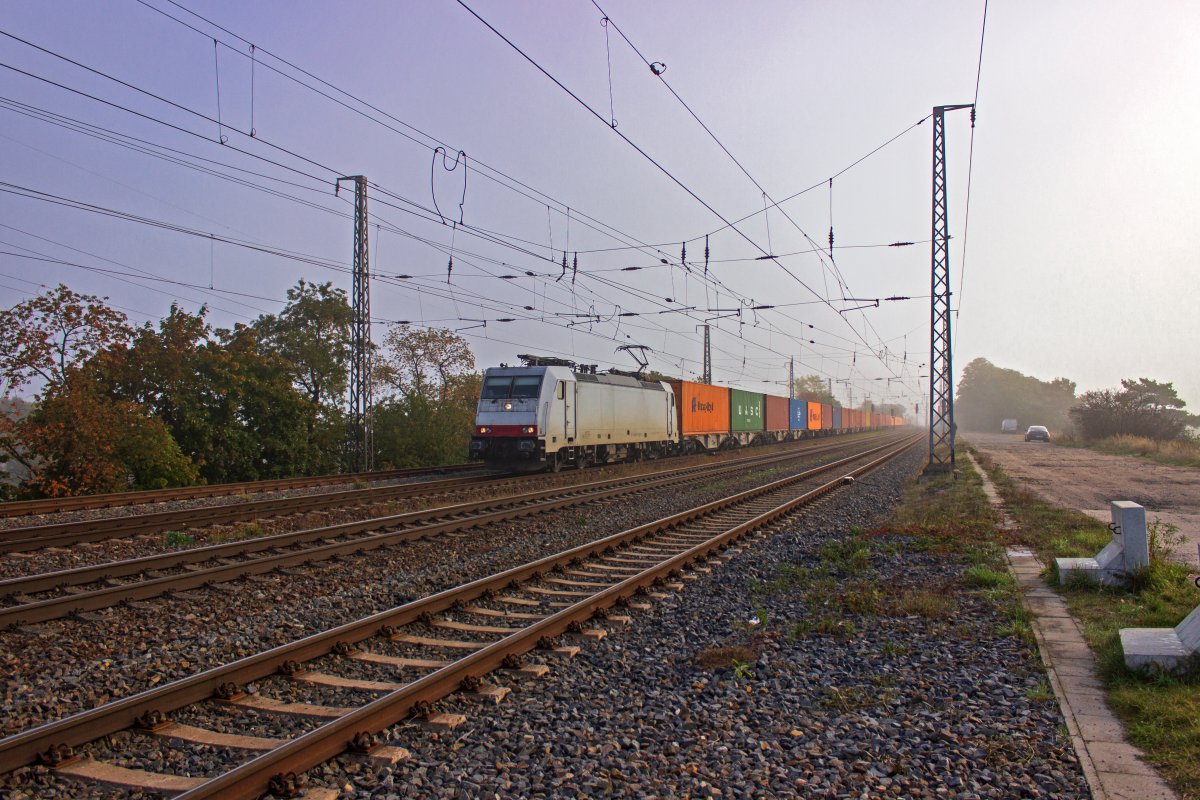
(1180, 453)
(726, 657)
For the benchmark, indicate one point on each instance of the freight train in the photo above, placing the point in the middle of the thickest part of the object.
(552, 413)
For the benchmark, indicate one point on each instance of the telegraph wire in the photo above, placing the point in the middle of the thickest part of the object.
(159, 98)
(962, 265)
(661, 168)
(210, 119)
(315, 163)
(589, 221)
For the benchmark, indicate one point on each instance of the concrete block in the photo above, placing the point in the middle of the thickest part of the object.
(1128, 551)
(1130, 520)
(1168, 649)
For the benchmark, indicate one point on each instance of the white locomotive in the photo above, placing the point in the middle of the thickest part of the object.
(551, 414)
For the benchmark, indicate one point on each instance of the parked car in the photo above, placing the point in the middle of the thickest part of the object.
(1037, 433)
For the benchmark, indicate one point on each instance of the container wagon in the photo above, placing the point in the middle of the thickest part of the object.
(779, 429)
(747, 417)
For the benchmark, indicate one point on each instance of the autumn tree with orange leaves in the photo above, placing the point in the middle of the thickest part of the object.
(77, 440)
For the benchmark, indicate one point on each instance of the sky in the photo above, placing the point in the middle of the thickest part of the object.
(1075, 257)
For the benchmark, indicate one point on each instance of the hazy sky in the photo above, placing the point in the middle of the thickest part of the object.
(1080, 257)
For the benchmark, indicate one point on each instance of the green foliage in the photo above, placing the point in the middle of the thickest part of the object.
(847, 556)
(176, 539)
(814, 389)
(1144, 408)
(431, 410)
(982, 577)
(988, 394)
(1040, 693)
(48, 337)
(176, 402)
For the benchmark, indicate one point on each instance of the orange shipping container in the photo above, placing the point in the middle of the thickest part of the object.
(777, 413)
(702, 408)
(826, 416)
(814, 416)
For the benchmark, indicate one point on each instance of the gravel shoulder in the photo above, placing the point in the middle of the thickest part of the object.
(1086, 480)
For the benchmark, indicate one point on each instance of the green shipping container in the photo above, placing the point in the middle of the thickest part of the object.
(746, 410)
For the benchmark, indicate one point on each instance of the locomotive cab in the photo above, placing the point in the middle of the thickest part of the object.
(516, 415)
(547, 416)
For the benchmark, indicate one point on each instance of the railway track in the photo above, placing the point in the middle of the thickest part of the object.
(65, 534)
(18, 508)
(495, 621)
(146, 577)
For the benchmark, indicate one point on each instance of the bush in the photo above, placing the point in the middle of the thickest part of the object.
(1143, 408)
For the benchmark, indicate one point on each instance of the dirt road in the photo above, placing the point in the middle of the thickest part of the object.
(1086, 480)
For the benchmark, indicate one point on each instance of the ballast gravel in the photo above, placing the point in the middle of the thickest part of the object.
(718, 690)
(879, 706)
(116, 652)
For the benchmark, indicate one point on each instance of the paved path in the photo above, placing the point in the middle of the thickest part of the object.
(1113, 767)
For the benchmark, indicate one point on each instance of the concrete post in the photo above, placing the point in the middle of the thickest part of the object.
(1129, 519)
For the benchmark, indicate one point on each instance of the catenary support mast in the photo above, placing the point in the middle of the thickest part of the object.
(941, 362)
(362, 440)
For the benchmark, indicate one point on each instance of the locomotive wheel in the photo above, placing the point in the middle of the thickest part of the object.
(553, 464)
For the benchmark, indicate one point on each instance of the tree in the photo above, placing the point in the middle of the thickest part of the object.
(87, 443)
(311, 336)
(988, 394)
(1141, 408)
(814, 389)
(48, 337)
(428, 416)
(422, 362)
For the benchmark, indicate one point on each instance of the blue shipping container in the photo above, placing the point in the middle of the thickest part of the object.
(798, 414)
(837, 418)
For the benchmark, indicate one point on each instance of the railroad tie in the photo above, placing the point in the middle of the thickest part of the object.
(273, 706)
(103, 772)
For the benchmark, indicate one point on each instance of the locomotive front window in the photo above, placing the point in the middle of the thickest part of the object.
(527, 386)
(497, 388)
(503, 388)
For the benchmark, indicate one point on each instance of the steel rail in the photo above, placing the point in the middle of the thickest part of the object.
(25, 747)
(252, 779)
(462, 516)
(50, 505)
(59, 534)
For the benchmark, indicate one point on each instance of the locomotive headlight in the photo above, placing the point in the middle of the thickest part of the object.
(528, 429)
(508, 406)
(484, 429)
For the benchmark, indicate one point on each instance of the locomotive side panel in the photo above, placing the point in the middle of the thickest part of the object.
(621, 412)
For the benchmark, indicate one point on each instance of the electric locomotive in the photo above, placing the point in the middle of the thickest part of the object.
(552, 413)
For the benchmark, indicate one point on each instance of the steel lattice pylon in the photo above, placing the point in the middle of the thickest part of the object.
(941, 362)
(707, 376)
(362, 439)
